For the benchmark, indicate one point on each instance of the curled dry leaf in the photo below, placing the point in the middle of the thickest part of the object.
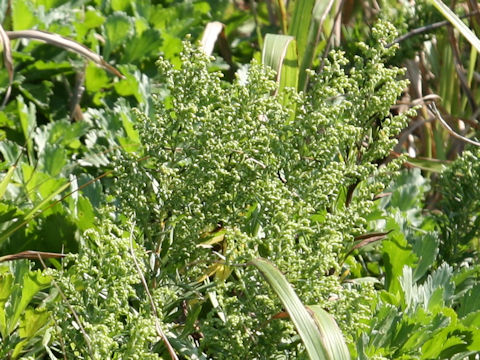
(32, 255)
(212, 31)
(67, 44)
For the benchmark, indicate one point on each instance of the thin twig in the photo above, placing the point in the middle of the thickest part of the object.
(434, 110)
(70, 307)
(160, 332)
(427, 28)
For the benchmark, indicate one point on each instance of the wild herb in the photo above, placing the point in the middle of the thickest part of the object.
(226, 174)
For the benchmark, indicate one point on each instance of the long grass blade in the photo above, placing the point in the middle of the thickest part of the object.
(300, 23)
(333, 339)
(280, 53)
(313, 335)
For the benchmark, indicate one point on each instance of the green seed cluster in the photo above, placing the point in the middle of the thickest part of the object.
(226, 173)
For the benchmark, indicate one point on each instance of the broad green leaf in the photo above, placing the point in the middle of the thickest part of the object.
(457, 23)
(332, 335)
(96, 79)
(29, 283)
(23, 16)
(120, 5)
(53, 159)
(87, 20)
(426, 249)
(312, 336)
(396, 254)
(85, 214)
(280, 53)
(32, 321)
(469, 302)
(6, 287)
(38, 93)
(46, 200)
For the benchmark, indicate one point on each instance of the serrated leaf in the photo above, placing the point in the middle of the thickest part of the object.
(147, 44)
(118, 28)
(30, 282)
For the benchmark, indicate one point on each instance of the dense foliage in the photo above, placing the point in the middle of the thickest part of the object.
(227, 174)
(152, 191)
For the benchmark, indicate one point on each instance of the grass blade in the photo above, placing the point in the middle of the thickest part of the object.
(457, 23)
(280, 53)
(300, 23)
(333, 339)
(313, 331)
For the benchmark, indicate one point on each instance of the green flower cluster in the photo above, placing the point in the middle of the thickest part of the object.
(104, 314)
(225, 173)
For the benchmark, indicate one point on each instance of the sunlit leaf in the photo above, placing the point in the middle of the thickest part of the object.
(318, 344)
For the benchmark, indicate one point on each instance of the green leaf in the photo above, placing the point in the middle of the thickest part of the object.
(38, 93)
(433, 165)
(28, 121)
(87, 20)
(333, 337)
(317, 343)
(396, 253)
(23, 16)
(147, 44)
(319, 13)
(118, 28)
(6, 288)
(96, 79)
(32, 321)
(280, 53)
(426, 249)
(27, 284)
(300, 23)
